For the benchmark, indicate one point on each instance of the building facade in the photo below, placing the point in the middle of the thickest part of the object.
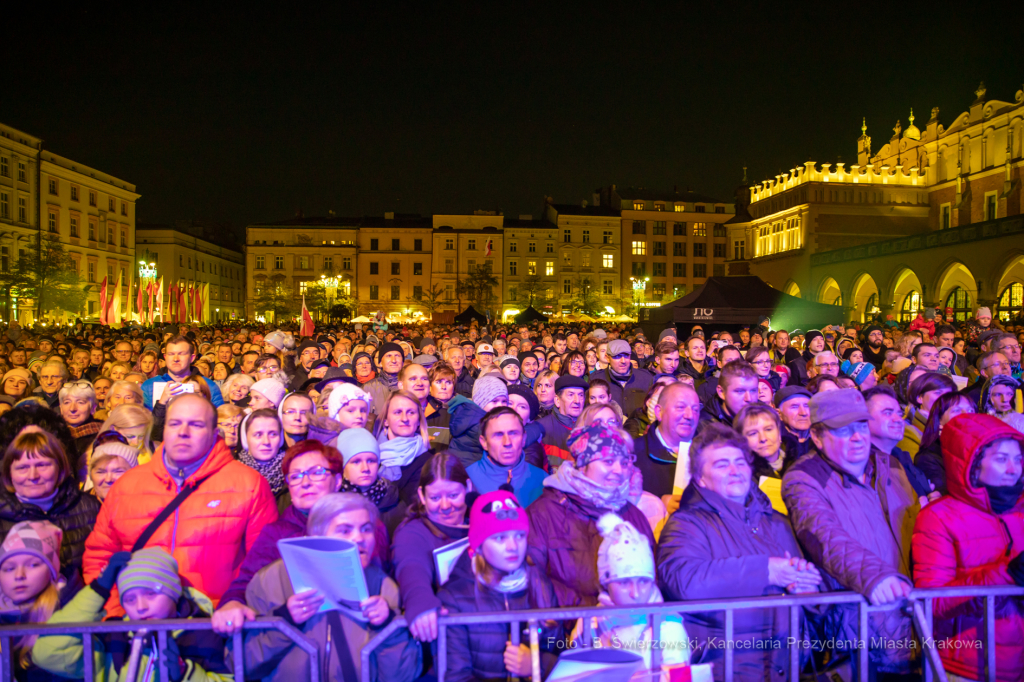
(184, 259)
(932, 219)
(589, 263)
(43, 195)
(466, 265)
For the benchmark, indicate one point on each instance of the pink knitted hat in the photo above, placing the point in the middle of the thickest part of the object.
(493, 513)
(38, 538)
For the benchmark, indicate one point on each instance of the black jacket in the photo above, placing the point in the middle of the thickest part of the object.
(464, 383)
(655, 462)
(631, 395)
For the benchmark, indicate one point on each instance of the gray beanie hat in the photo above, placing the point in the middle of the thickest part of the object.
(487, 389)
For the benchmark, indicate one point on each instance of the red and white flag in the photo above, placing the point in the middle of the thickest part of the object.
(488, 247)
(307, 326)
(103, 301)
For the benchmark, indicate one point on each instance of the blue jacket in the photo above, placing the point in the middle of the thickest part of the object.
(147, 390)
(527, 480)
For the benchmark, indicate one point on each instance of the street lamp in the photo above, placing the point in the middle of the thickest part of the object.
(147, 270)
(639, 288)
(330, 285)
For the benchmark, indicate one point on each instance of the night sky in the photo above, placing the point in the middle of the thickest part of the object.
(243, 115)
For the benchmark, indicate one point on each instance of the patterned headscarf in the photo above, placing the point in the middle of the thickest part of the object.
(587, 443)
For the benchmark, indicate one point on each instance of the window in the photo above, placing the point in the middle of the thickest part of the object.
(638, 205)
(90, 271)
(417, 292)
(700, 270)
(608, 260)
(449, 266)
(659, 227)
(417, 269)
(990, 206)
(718, 270)
(679, 249)
(606, 237)
(346, 263)
(586, 236)
(531, 267)
(110, 233)
(512, 248)
(658, 291)
(679, 229)
(110, 271)
(679, 269)
(566, 236)
(699, 208)
(304, 263)
(21, 210)
(737, 250)
(606, 287)
(449, 244)
(374, 292)
(374, 245)
(659, 270)
(396, 244)
(124, 237)
(5, 205)
(532, 247)
(700, 250)
(396, 268)
(567, 286)
(52, 222)
(719, 209)
(944, 219)
(471, 245)
(719, 251)
(550, 248)
(21, 171)
(639, 269)
(700, 229)
(374, 268)
(585, 259)
(181, 261)
(124, 208)
(303, 287)
(639, 227)
(5, 169)
(110, 205)
(513, 267)
(417, 244)
(53, 185)
(74, 193)
(1011, 302)
(74, 226)
(513, 293)
(396, 292)
(719, 230)
(960, 301)
(911, 305)
(279, 262)
(567, 259)
(449, 292)
(328, 262)
(471, 266)
(549, 268)
(659, 248)
(260, 262)
(92, 198)
(639, 248)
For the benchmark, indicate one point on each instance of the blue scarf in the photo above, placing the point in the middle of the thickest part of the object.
(398, 452)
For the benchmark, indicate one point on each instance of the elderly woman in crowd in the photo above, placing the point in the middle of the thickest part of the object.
(235, 389)
(77, 406)
(263, 450)
(39, 484)
(120, 392)
(111, 458)
(544, 389)
(726, 541)
(563, 521)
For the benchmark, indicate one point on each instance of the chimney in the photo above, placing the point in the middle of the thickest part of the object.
(597, 198)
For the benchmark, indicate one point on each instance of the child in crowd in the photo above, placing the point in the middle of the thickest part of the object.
(150, 589)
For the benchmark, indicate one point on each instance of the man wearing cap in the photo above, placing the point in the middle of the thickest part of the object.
(874, 346)
(853, 509)
(570, 396)
(390, 359)
(793, 404)
(629, 386)
(484, 357)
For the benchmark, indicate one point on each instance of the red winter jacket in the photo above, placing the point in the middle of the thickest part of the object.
(959, 540)
(209, 534)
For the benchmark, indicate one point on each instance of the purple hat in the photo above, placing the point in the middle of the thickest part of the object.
(38, 538)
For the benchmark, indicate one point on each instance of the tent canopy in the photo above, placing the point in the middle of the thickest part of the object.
(470, 314)
(529, 315)
(724, 302)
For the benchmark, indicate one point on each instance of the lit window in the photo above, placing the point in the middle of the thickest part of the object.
(531, 267)
(700, 229)
(608, 260)
(549, 268)
(638, 205)
(639, 248)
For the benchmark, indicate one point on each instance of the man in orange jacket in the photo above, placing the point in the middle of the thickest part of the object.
(211, 531)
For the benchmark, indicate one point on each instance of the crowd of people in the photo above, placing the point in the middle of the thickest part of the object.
(151, 473)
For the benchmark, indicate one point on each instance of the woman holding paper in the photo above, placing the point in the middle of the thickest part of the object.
(339, 635)
(503, 581)
(437, 518)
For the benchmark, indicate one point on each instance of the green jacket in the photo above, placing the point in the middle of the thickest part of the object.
(62, 654)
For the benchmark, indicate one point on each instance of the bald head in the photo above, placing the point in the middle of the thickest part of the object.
(678, 413)
(190, 430)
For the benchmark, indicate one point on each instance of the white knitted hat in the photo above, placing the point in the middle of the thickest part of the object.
(342, 395)
(624, 552)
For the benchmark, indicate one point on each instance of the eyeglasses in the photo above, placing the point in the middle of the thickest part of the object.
(293, 413)
(317, 475)
(766, 361)
(267, 370)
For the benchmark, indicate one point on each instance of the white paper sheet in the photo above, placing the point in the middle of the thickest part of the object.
(329, 565)
(682, 470)
(599, 665)
(446, 556)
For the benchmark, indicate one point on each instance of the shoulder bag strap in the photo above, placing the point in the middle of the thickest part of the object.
(165, 514)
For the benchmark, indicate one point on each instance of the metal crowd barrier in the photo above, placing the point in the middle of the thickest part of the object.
(919, 605)
(161, 627)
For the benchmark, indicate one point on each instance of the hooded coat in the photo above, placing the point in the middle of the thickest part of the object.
(527, 480)
(959, 540)
(712, 548)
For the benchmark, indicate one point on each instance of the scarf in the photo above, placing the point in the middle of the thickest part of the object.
(398, 452)
(270, 470)
(89, 428)
(374, 493)
(44, 503)
(619, 378)
(568, 479)
(565, 420)
(368, 378)
(1004, 497)
(515, 581)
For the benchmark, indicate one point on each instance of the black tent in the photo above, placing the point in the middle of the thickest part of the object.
(529, 315)
(468, 315)
(732, 302)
